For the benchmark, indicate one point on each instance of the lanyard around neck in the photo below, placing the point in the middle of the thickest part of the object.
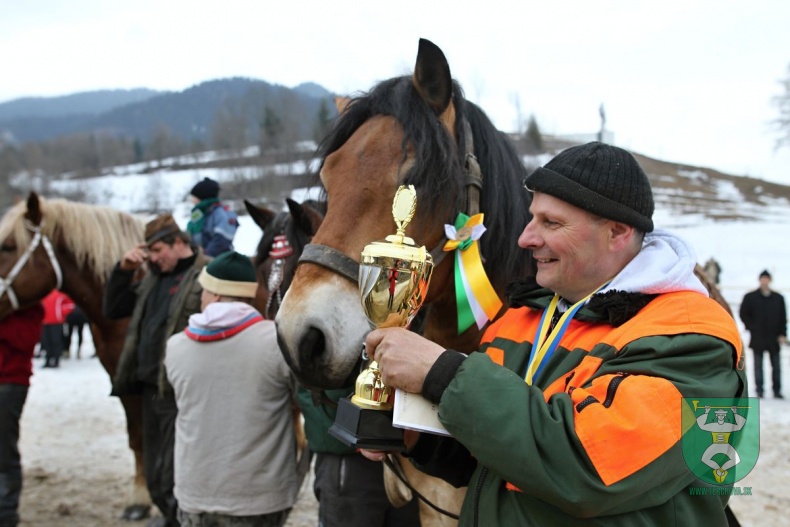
(546, 342)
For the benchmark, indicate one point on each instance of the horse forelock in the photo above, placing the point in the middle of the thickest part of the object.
(96, 236)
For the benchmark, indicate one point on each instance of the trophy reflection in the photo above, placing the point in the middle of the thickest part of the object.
(393, 280)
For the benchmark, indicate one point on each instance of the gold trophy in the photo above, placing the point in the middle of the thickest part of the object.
(393, 280)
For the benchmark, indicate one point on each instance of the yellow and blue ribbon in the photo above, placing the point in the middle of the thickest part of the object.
(475, 296)
(545, 343)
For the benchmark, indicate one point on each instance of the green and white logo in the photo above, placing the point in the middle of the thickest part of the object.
(721, 439)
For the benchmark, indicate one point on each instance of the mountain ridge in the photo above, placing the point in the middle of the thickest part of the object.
(137, 113)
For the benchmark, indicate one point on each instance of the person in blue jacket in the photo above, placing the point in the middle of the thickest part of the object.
(212, 225)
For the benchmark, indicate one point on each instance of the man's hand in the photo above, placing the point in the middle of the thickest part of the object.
(782, 339)
(707, 409)
(403, 356)
(134, 258)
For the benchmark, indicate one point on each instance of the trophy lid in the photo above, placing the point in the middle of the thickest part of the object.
(399, 245)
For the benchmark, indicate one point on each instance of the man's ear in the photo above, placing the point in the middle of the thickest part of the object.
(621, 235)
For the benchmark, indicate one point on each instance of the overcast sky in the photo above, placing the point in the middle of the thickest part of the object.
(686, 81)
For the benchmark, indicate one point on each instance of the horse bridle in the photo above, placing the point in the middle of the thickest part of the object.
(38, 238)
(345, 266)
(281, 249)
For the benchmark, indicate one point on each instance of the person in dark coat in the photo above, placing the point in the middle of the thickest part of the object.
(765, 317)
(159, 305)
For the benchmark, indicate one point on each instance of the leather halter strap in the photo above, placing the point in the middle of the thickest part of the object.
(38, 238)
(338, 262)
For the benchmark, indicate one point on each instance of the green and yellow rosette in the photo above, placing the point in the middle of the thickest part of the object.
(475, 296)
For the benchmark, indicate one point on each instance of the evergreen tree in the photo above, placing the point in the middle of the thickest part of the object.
(533, 136)
(323, 121)
(271, 130)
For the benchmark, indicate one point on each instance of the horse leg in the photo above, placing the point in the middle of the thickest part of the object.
(140, 506)
(80, 327)
(435, 490)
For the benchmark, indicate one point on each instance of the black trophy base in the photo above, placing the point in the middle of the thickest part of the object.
(363, 428)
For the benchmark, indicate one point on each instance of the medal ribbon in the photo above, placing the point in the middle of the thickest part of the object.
(543, 347)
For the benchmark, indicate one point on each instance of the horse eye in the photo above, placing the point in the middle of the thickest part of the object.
(7, 248)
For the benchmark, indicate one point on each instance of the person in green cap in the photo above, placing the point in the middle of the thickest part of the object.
(235, 453)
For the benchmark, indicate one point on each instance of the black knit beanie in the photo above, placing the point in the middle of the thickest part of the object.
(206, 189)
(602, 179)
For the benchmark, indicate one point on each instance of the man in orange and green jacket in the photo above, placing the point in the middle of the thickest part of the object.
(571, 413)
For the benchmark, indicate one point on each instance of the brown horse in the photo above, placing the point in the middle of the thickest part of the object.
(416, 130)
(49, 244)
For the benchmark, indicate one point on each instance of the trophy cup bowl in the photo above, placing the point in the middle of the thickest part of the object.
(394, 275)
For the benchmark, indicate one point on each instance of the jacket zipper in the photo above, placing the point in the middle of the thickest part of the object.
(478, 490)
(610, 391)
(613, 384)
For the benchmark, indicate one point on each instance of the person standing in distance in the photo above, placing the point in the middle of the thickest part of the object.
(212, 225)
(765, 317)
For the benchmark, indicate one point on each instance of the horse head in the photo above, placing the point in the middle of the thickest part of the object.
(48, 244)
(29, 268)
(417, 130)
(285, 235)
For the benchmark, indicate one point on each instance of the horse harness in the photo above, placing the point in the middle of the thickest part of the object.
(281, 249)
(38, 238)
(336, 261)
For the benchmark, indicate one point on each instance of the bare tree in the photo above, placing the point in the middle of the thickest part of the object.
(161, 144)
(515, 98)
(782, 102)
(229, 128)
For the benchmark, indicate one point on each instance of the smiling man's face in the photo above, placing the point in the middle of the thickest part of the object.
(571, 247)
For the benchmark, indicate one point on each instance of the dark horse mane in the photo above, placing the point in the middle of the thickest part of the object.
(438, 170)
(283, 224)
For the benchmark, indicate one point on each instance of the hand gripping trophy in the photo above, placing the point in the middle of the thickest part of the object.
(393, 280)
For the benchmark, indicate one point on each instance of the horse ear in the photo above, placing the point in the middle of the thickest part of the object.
(341, 103)
(306, 217)
(432, 76)
(261, 216)
(33, 213)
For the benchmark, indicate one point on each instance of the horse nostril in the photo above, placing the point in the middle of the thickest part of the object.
(311, 347)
